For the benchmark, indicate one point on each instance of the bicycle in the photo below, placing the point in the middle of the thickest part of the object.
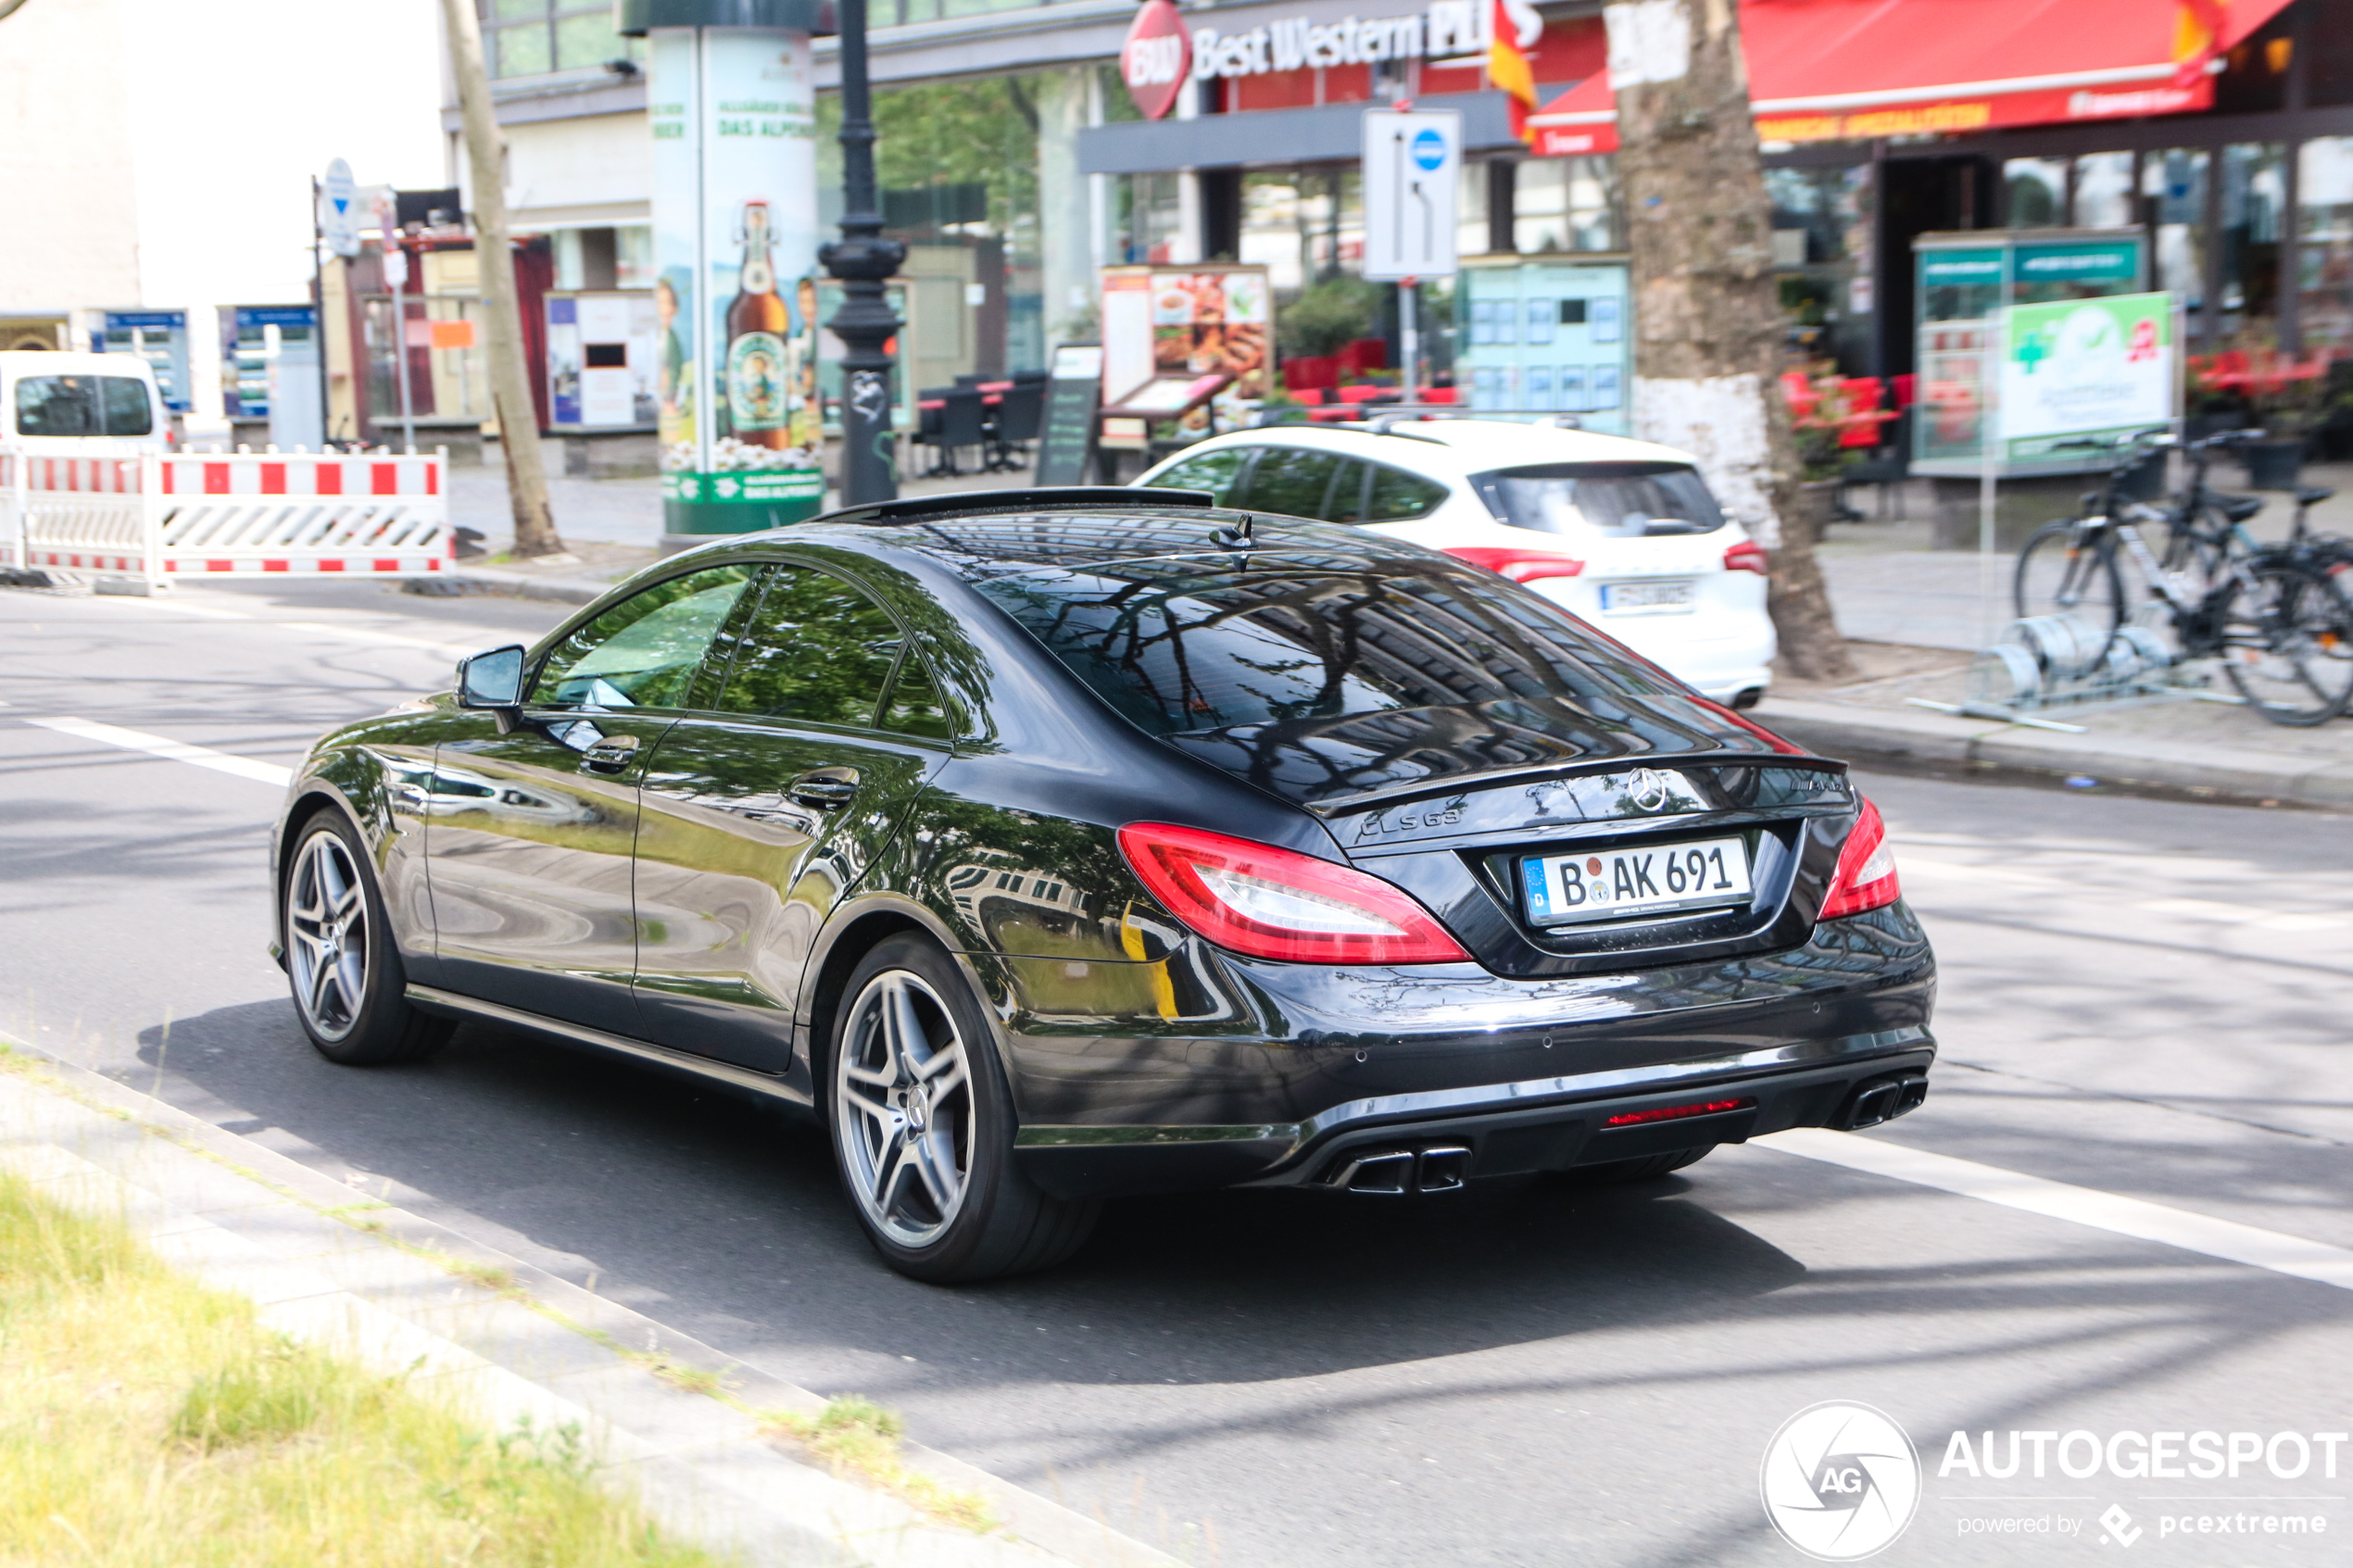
(2272, 615)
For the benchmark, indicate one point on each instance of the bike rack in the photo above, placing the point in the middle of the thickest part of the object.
(2056, 661)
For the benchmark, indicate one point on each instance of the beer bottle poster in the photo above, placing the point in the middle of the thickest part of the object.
(733, 113)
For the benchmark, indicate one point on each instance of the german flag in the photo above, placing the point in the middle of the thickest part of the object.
(1507, 68)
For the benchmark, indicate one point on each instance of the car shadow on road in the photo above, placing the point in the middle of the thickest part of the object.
(725, 1221)
(659, 1182)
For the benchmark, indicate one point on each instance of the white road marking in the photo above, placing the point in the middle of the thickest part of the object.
(2134, 1217)
(2210, 910)
(178, 750)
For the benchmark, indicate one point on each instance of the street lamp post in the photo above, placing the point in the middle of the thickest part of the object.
(861, 260)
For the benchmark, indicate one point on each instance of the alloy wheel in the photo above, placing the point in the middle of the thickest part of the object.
(903, 1100)
(327, 935)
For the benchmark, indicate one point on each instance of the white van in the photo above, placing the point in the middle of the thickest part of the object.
(61, 403)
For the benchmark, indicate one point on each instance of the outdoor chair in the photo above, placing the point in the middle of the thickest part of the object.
(1021, 414)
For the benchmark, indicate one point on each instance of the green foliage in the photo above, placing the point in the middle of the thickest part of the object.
(262, 1398)
(1327, 315)
(948, 133)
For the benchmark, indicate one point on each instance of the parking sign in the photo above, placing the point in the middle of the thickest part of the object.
(1413, 170)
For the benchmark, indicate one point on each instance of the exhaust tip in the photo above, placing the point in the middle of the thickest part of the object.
(1883, 1100)
(1389, 1172)
(1444, 1168)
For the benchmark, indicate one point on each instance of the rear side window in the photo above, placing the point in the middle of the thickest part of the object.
(1216, 472)
(1621, 500)
(1299, 638)
(83, 404)
(1398, 496)
(1291, 480)
(816, 651)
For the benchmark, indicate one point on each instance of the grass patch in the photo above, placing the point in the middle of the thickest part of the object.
(857, 1437)
(146, 1422)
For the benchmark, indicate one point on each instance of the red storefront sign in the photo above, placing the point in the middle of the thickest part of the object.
(1853, 69)
(1157, 60)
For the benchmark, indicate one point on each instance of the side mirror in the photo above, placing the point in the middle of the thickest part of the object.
(491, 680)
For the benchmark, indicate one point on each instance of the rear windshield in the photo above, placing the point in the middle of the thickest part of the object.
(84, 406)
(1192, 646)
(1622, 500)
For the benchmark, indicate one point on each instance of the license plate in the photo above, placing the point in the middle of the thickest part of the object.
(1672, 596)
(1625, 883)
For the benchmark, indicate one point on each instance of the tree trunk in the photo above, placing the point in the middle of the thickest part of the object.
(1706, 311)
(509, 373)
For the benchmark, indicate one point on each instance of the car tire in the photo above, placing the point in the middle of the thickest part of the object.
(350, 997)
(923, 1126)
(1618, 1172)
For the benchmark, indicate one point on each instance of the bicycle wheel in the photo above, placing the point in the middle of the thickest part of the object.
(2287, 641)
(2068, 572)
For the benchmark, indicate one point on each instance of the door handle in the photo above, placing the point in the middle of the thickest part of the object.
(613, 754)
(825, 787)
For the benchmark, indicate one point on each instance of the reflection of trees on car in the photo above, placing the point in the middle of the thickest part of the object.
(1325, 663)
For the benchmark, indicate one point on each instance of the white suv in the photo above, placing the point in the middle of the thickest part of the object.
(1621, 534)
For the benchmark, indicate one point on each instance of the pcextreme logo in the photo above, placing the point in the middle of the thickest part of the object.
(1840, 1481)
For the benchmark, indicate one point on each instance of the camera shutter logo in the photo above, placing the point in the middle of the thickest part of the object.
(1840, 1481)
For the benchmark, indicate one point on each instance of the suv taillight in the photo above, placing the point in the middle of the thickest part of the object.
(1866, 876)
(1748, 556)
(1520, 566)
(1275, 903)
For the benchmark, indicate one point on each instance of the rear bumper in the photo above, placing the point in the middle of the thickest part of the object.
(1508, 1129)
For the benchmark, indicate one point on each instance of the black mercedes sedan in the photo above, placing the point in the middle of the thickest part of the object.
(1045, 846)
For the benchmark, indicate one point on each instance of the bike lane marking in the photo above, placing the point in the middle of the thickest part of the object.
(2134, 1217)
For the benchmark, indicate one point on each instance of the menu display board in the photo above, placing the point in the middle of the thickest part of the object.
(1211, 320)
(1073, 392)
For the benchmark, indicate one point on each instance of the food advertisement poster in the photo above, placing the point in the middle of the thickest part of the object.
(733, 113)
(1188, 321)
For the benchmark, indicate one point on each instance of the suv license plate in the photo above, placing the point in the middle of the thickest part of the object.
(1672, 596)
(1625, 883)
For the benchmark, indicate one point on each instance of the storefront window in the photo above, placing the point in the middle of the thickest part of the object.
(1565, 204)
(1821, 250)
(537, 37)
(2324, 253)
(2254, 191)
(1146, 215)
(2037, 191)
(2177, 180)
(1472, 235)
(2104, 191)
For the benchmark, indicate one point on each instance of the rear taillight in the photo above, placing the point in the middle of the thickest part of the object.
(1748, 556)
(1866, 875)
(1276, 903)
(1520, 566)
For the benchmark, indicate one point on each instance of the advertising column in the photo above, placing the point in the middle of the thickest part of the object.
(733, 112)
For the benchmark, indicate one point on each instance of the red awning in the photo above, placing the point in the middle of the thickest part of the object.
(1824, 70)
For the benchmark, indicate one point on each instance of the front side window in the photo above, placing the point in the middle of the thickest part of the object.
(817, 650)
(1293, 638)
(1216, 472)
(1617, 500)
(644, 651)
(84, 405)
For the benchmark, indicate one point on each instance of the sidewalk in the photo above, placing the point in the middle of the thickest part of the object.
(667, 1416)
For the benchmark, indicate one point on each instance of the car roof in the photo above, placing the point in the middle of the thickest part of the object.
(985, 534)
(1471, 445)
(69, 362)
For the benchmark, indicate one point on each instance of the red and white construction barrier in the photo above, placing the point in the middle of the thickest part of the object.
(155, 517)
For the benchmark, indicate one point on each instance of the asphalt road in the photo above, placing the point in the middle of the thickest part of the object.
(2139, 998)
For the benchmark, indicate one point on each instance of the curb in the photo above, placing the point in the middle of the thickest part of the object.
(516, 584)
(410, 1298)
(1841, 730)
